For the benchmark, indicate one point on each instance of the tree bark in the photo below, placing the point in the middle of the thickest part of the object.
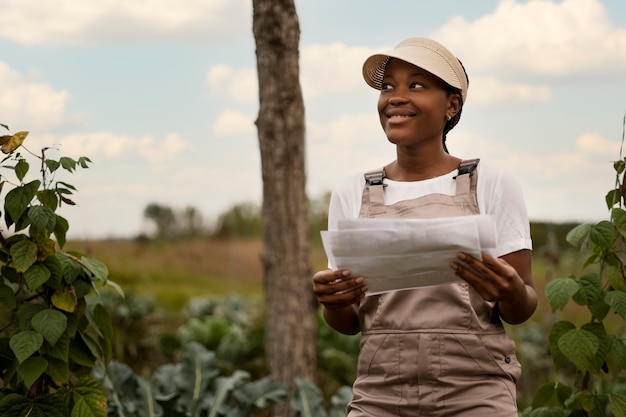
(290, 305)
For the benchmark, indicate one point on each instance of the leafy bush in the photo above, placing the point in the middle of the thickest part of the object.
(51, 334)
(196, 388)
(596, 349)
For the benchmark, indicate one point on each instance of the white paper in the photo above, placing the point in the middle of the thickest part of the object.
(397, 254)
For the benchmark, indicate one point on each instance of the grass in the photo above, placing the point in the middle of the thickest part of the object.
(174, 272)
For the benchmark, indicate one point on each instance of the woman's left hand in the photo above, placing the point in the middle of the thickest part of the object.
(493, 278)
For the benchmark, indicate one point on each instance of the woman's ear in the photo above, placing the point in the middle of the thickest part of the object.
(455, 102)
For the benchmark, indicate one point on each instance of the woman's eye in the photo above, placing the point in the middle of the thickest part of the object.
(416, 85)
(385, 86)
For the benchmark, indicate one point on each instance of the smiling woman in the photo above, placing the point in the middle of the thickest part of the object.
(440, 350)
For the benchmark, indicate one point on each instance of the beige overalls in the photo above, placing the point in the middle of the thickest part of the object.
(433, 351)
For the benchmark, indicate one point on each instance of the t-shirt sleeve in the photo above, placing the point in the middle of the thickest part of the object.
(505, 201)
(345, 201)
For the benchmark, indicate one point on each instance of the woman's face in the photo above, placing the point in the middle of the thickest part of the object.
(414, 105)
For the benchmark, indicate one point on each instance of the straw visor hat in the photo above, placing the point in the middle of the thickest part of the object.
(424, 53)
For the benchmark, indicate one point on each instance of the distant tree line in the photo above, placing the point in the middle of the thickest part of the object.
(241, 221)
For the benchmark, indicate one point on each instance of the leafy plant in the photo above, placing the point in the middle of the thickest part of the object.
(195, 387)
(192, 388)
(595, 349)
(51, 335)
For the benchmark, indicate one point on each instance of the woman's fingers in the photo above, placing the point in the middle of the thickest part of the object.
(337, 289)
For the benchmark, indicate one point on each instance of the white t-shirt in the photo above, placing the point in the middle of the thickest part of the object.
(497, 192)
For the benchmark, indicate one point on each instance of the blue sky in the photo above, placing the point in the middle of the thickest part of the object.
(161, 95)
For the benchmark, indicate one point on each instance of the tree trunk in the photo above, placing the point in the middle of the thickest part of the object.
(290, 305)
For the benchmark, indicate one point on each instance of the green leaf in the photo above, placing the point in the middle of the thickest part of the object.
(617, 352)
(61, 349)
(25, 344)
(89, 398)
(83, 161)
(50, 324)
(618, 215)
(68, 163)
(260, 394)
(52, 165)
(98, 269)
(24, 254)
(65, 299)
(340, 401)
(603, 234)
(56, 271)
(47, 405)
(36, 276)
(198, 368)
(308, 400)
(101, 321)
(48, 198)
(58, 370)
(615, 278)
(559, 292)
(67, 189)
(71, 268)
(617, 300)
(612, 198)
(42, 218)
(556, 332)
(21, 169)
(590, 290)
(7, 297)
(221, 397)
(617, 404)
(580, 347)
(619, 166)
(31, 369)
(551, 394)
(19, 198)
(577, 236)
(60, 230)
(604, 345)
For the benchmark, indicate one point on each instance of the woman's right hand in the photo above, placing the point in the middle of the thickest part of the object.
(337, 289)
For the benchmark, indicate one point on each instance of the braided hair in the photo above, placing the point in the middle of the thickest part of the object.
(455, 119)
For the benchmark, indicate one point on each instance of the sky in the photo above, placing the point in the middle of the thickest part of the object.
(162, 96)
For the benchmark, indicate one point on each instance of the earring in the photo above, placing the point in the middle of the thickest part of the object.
(449, 117)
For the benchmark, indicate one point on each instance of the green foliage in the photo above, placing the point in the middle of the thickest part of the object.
(596, 351)
(196, 387)
(51, 335)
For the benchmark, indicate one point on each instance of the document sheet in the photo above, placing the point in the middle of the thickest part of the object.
(397, 254)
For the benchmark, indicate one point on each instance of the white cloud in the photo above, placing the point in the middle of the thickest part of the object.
(596, 144)
(112, 146)
(232, 123)
(88, 22)
(240, 84)
(539, 37)
(30, 104)
(331, 70)
(490, 91)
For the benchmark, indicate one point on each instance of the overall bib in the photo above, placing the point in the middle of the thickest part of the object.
(432, 351)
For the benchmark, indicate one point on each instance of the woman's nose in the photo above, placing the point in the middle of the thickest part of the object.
(397, 98)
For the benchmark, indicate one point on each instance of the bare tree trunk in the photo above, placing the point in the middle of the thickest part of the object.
(291, 319)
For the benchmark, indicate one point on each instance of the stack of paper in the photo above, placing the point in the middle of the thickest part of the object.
(396, 254)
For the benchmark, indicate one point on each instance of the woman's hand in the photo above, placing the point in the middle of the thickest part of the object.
(340, 294)
(337, 289)
(507, 281)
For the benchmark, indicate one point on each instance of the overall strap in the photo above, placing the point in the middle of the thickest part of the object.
(374, 184)
(465, 178)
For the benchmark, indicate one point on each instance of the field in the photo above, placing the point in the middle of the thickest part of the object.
(173, 272)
